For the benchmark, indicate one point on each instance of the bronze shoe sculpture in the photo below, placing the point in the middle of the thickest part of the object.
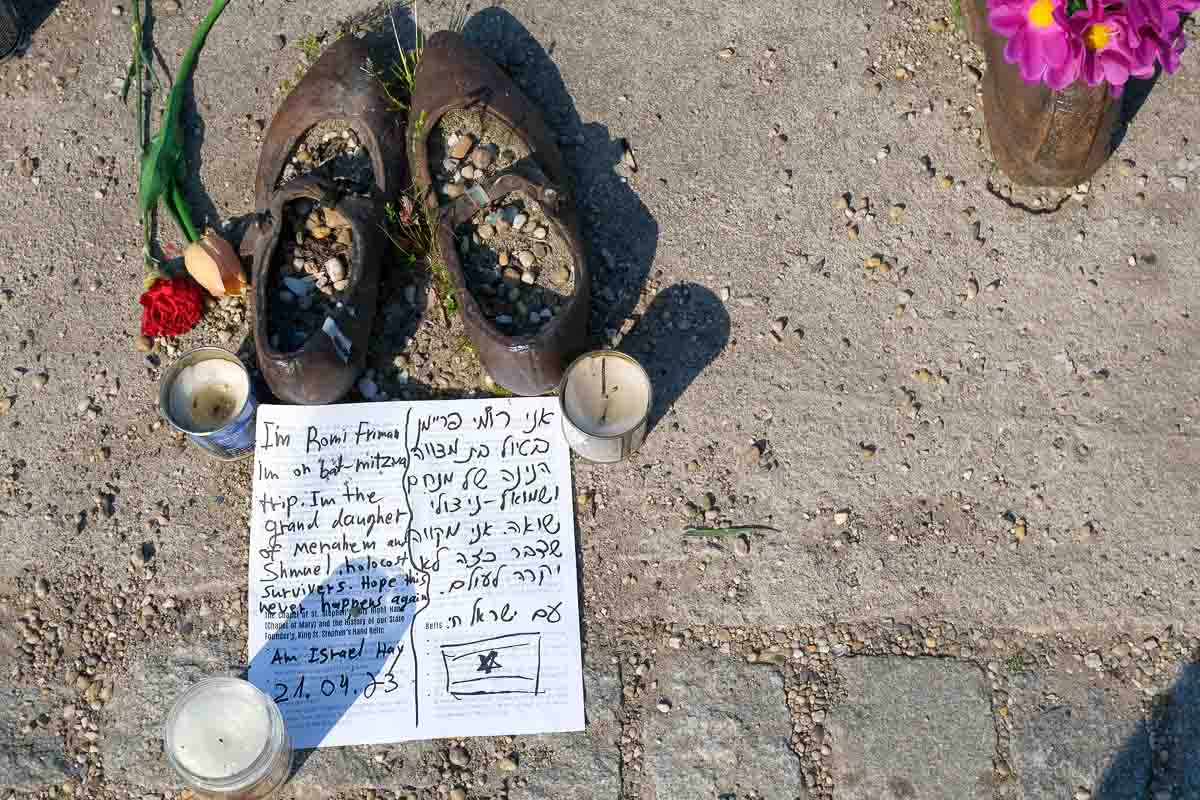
(324, 366)
(456, 75)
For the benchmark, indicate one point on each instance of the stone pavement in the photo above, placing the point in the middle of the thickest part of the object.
(912, 729)
(696, 722)
(979, 463)
(718, 729)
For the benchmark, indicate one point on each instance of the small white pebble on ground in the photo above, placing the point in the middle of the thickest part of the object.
(664, 706)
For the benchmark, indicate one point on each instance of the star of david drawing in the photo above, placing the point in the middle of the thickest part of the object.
(488, 663)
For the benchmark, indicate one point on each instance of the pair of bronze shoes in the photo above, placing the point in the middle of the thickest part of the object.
(453, 74)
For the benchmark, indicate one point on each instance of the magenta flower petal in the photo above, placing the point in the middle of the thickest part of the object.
(1116, 69)
(1058, 78)
(1014, 49)
(1054, 48)
(1041, 40)
(1006, 20)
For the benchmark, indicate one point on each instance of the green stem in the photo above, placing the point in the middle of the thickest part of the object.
(189, 59)
(179, 210)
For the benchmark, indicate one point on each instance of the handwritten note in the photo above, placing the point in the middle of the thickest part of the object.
(412, 571)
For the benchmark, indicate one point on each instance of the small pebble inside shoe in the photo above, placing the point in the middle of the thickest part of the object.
(332, 150)
(310, 273)
(470, 146)
(517, 265)
(311, 269)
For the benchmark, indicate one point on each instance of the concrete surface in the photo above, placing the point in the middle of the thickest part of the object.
(912, 729)
(1059, 388)
(1072, 733)
(718, 729)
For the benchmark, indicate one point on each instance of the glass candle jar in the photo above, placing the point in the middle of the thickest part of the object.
(605, 402)
(227, 740)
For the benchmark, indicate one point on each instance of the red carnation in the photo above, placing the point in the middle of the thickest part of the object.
(171, 307)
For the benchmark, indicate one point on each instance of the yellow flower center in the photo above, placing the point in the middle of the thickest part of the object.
(1041, 14)
(1096, 36)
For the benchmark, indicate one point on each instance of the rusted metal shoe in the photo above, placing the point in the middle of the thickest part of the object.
(532, 364)
(454, 74)
(336, 87)
(1040, 137)
(326, 365)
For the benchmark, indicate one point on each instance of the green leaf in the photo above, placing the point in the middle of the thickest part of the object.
(162, 163)
(1075, 5)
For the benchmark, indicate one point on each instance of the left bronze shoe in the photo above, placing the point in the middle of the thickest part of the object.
(321, 366)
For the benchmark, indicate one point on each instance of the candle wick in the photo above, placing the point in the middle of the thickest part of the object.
(604, 378)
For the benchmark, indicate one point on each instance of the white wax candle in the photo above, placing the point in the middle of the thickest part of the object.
(208, 395)
(606, 395)
(221, 730)
(606, 400)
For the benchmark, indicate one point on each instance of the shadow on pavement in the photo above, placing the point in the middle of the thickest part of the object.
(29, 16)
(1137, 92)
(1175, 728)
(683, 331)
(204, 211)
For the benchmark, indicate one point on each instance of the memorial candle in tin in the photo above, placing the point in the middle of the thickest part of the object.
(207, 395)
(605, 400)
(227, 740)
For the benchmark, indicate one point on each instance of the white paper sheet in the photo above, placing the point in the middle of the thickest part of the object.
(412, 571)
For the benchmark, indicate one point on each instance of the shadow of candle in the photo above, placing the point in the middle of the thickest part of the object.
(681, 333)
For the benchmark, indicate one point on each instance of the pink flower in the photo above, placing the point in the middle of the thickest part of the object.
(1039, 42)
(1108, 47)
(1160, 15)
(1153, 46)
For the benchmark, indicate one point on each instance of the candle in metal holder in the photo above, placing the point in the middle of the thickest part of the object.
(227, 740)
(207, 395)
(605, 402)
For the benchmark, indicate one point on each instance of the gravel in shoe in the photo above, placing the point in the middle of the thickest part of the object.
(517, 265)
(470, 146)
(334, 151)
(311, 272)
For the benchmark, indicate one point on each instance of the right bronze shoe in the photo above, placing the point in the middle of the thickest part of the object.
(455, 75)
(324, 364)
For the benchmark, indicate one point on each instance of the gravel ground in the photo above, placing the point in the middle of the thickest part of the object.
(967, 421)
